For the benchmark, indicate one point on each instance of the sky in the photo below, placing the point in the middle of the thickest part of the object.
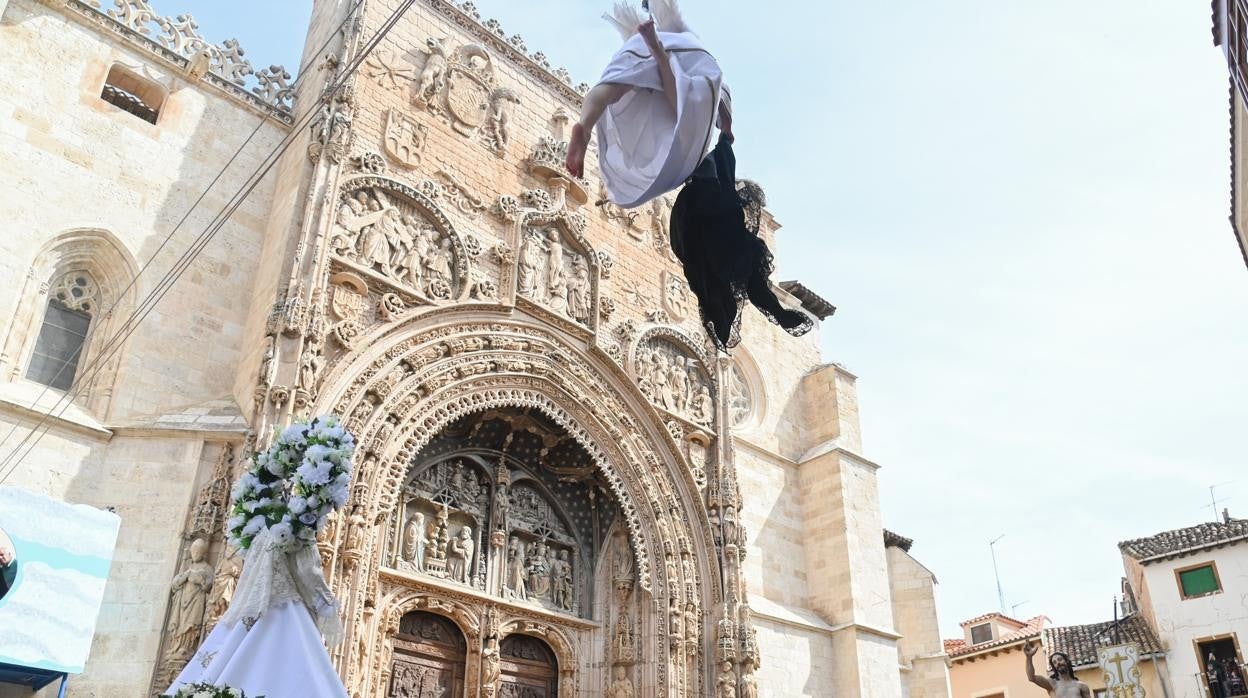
(1020, 210)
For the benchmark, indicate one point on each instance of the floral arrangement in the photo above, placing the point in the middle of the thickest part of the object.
(291, 488)
(204, 690)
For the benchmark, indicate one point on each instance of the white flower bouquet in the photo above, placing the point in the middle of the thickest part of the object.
(203, 690)
(291, 488)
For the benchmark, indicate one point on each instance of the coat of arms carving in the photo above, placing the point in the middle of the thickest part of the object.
(404, 139)
(677, 300)
(470, 81)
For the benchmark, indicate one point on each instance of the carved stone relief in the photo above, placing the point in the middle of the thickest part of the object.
(675, 380)
(678, 301)
(740, 398)
(404, 139)
(396, 237)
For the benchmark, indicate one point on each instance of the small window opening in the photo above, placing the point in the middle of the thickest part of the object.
(981, 633)
(129, 92)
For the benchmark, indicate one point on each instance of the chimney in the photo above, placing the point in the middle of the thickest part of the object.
(1226, 515)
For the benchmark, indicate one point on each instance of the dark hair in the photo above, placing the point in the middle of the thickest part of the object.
(1070, 666)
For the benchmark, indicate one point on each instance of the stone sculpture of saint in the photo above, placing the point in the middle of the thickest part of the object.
(561, 572)
(539, 572)
(492, 662)
(516, 572)
(414, 540)
(529, 266)
(579, 302)
(190, 602)
(621, 686)
(460, 555)
(355, 530)
(556, 287)
(680, 386)
(374, 242)
(703, 406)
(749, 685)
(726, 682)
(224, 584)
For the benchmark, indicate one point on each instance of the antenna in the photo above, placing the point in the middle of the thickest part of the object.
(996, 573)
(1213, 501)
(1014, 608)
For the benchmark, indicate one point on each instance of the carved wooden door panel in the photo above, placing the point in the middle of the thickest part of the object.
(429, 655)
(529, 669)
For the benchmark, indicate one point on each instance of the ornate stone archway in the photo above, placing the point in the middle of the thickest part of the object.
(417, 378)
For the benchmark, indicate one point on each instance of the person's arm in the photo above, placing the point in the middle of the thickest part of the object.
(1029, 650)
(666, 76)
(1084, 691)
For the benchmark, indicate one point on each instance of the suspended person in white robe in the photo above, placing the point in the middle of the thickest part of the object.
(269, 641)
(655, 107)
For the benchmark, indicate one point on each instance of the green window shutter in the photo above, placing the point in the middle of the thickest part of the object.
(1199, 581)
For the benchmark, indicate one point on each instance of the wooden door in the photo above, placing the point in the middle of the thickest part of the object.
(529, 669)
(429, 658)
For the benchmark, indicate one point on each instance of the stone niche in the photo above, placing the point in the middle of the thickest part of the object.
(504, 503)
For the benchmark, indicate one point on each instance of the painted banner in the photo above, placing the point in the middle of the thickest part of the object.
(54, 561)
(1121, 664)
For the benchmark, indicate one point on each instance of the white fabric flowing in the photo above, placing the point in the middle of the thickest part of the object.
(267, 643)
(644, 150)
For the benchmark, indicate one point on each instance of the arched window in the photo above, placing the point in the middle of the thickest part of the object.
(76, 295)
(72, 301)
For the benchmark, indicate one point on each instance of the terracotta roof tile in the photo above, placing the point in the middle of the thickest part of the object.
(1031, 629)
(1080, 642)
(1183, 541)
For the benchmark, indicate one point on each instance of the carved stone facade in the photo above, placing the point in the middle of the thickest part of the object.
(561, 489)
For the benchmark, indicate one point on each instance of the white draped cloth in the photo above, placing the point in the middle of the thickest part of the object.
(644, 149)
(268, 643)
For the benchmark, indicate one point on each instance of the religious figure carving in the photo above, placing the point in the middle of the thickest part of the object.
(492, 667)
(310, 365)
(692, 629)
(433, 75)
(354, 544)
(675, 619)
(556, 289)
(625, 647)
(748, 685)
(580, 303)
(539, 572)
(517, 573)
(498, 515)
(414, 534)
(190, 601)
(438, 270)
(460, 556)
(529, 266)
(703, 408)
(726, 682)
(224, 584)
(561, 572)
(621, 686)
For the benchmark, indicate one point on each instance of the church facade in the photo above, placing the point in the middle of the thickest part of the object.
(561, 488)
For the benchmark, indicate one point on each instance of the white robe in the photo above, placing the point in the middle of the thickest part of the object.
(281, 654)
(644, 150)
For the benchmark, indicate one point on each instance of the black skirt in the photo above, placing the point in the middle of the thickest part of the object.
(714, 233)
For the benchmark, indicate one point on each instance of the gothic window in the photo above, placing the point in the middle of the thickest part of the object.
(529, 669)
(67, 318)
(72, 302)
(429, 657)
(129, 92)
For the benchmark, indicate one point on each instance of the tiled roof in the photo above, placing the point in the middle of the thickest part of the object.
(994, 614)
(1080, 642)
(895, 540)
(811, 301)
(1031, 629)
(1183, 541)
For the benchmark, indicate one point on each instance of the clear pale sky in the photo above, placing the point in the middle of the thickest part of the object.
(1020, 210)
